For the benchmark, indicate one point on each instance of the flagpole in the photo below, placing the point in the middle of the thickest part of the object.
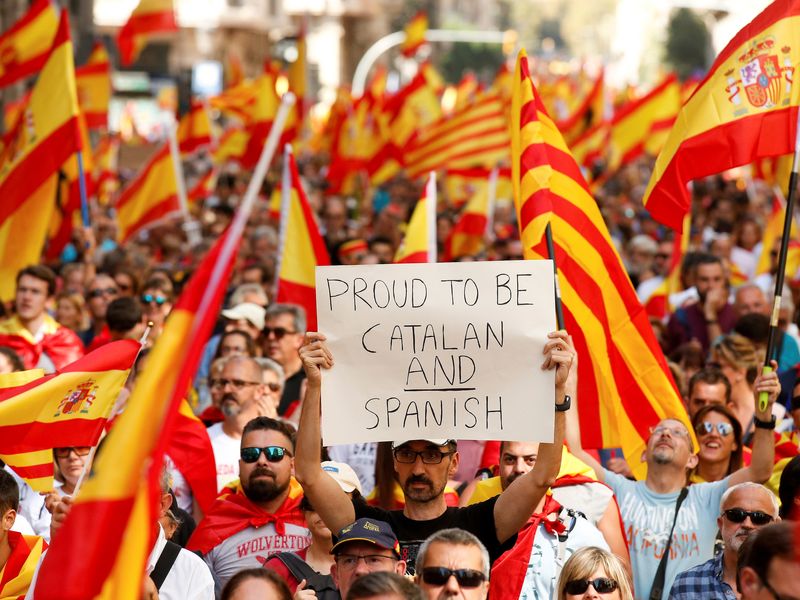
(82, 189)
(430, 207)
(190, 226)
(548, 233)
(763, 397)
(286, 198)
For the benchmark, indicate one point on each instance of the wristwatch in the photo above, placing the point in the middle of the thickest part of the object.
(764, 424)
(564, 406)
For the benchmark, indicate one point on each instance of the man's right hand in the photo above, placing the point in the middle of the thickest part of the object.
(315, 356)
(302, 593)
(60, 513)
(715, 301)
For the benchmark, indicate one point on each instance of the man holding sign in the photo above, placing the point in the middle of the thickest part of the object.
(423, 467)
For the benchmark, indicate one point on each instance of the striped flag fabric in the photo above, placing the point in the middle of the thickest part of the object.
(93, 81)
(205, 186)
(477, 136)
(591, 147)
(657, 305)
(16, 576)
(302, 246)
(189, 448)
(119, 501)
(67, 408)
(624, 384)
(419, 243)
(415, 31)
(46, 133)
(106, 170)
(149, 18)
(460, 185)
(150, 197)
(194, 129)
(745, 109)
(26, 44)
(468, 236)
(588, 114)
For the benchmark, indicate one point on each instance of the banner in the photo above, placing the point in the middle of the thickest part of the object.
(447, 350)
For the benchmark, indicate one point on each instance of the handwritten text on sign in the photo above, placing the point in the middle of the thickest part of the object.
(447, 350)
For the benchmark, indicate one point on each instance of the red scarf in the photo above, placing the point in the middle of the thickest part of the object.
(234, 512)
(18, 571)
(61, 344)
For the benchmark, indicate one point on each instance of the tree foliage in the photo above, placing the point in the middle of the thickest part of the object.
(688, 47)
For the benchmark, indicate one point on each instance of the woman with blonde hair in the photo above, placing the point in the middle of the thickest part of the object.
(594, 573)
(71, 311)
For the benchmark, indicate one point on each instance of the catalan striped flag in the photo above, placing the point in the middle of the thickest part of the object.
(637, 127)
(477, 136)
(119, 501)
(152, 196)
(25, 46)
(149, 18)
(194, 129)
(46, 134)
(745, 109)
(67, 408)
(302, 247)
(415, 31)
(624, 383)
(93, 81)
(419, 243)
(16, 576)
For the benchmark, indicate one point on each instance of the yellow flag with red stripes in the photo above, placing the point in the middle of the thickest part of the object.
(149, 18)
(419, 243)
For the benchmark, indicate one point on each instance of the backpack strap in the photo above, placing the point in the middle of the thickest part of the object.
(657, 591)
(299, 568)
(165, 561)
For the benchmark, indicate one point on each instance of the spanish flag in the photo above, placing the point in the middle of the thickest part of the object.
(745, 109)
(46, 133)
(303, 247)
(152, 196)
(590, 148)
(93, 81)
(624, 384)
(589, 113)
(234, 70)
(205, 186)
(194, 129)
(118, 502)
(106, 170)
(658, 305)
(150, 17)
(461, 185)
(419, 243)
(415, 31)
(773, 230)
(237, 100)
(67, 408)
(468, 236)
(25, 46)
(16, 575)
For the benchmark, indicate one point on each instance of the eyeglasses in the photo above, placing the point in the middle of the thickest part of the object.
(373, 562)
(150, 298)
(109, 291)
(673, 431)
(706, 427)
(79, 451)
(273, 454)
(236, 384)
(738, 515)
(601, 585)
(468, 578)
(273, 387)
(279, 332)
(430, 456)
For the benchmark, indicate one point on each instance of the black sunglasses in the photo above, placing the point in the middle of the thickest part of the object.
(150, 298)
(279, 332)
(273, 454)
(468, 578)
(738, 515)
(601, 585)
(96, 293)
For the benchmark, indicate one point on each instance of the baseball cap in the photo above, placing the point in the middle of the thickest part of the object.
(397, 444)
(371, 531)
(344, 475)
(246, 310)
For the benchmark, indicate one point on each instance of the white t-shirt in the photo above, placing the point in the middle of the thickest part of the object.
(31, 509)
(251, 547)
(226, 455)
(189, 577)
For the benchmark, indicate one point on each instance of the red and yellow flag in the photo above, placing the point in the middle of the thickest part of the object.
(591, 147)
(16, 576)
(234, 70)
(745, 109)
(190, 449)
(658, 305)
(303, 247)
(194, 129)
(149, 18)
(93, 82)
(46, 133)
(205, 186)
(460, 185)
(67, 408)
(415, 31)
(468, 236)
(419, 243)
(106, 170)
(119, 501)
(624, 384)
(25, 46)
(640, 126)
(152, 196)
(588, 114)
(773, 230)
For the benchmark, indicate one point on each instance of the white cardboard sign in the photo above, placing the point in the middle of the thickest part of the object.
(444, 350)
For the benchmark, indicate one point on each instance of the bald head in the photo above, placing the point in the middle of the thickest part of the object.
(750, 299)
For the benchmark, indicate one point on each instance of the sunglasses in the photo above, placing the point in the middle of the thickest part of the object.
(150, 298)
(467, 578)
(601, 585)
(273, 454)
(738, 515)
(278, 332)
(109, 291)
(79, 451)
(724, 429)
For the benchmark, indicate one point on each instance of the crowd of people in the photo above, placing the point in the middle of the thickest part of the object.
(440, 518)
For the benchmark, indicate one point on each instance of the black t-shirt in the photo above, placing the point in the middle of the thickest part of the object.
(477, 518)
(291, 391)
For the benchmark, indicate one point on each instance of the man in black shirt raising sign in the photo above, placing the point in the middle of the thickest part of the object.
(423, 468)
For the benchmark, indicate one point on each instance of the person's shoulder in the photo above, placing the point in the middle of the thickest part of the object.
(692, 580)
(709, 488)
